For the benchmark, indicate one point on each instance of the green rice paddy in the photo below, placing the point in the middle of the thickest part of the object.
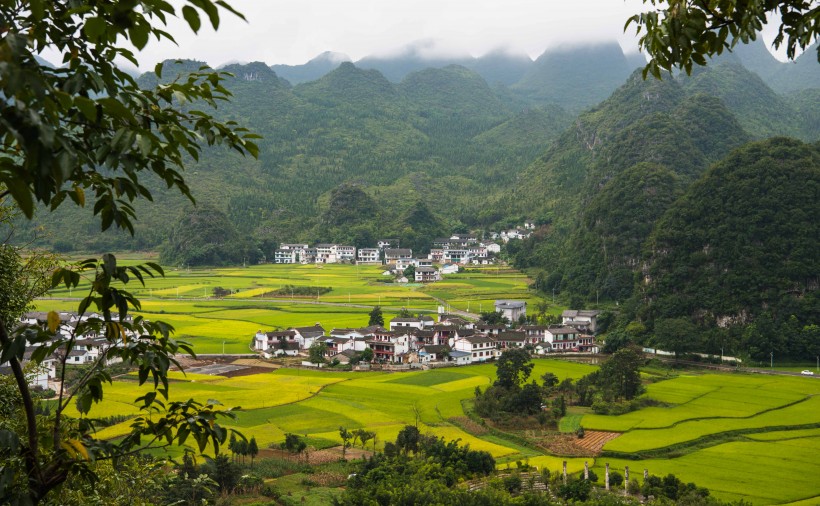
(183, 298)
(742, 436)
(759, 442)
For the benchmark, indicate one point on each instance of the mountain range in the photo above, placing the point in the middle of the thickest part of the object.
(575, 140)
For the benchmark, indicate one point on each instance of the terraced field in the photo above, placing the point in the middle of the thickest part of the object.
(183, 299)
(743, 437)
(747, 437)
(316, 403)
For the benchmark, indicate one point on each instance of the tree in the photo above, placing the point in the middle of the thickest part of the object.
(513, 368)
(408, 439)
(293, 443)
(678, 335)
(682, 32)
(317, 352)
(549, 380)
(494, 318)
(376, 317)
(567, 388)
(253, 449)
(620, 377)
(85, 130)
(232, 446)
(365, 436)
(366, 355)
(346, 436)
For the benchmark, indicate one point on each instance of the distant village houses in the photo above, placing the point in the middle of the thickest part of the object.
(423, 341)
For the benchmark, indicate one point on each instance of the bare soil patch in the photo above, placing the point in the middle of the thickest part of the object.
(570, 445)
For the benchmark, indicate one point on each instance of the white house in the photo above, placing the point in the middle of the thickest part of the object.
(481, 348)
(368, 255)
(345, 253)
(491, 247)
(511, 309)
(449, 268)
(406, 323)
(393, 254)
(306, 336)
(563, 338)
(326, 254)
(285, 256)
(585, 320)
(427, 275)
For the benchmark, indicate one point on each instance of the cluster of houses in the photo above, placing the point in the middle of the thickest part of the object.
(88, 348)
(458, 249)
(423, 340)
(519, 233)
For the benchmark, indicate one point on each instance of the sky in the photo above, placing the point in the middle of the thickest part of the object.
(294, 31)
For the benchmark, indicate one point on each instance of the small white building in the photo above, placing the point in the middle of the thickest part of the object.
(481, 348)
(406, 323)
(511, 309)
(585, 320)
(368, 255)
(427, 275)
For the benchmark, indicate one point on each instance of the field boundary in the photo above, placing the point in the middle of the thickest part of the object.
(717, 438)
(703, 418)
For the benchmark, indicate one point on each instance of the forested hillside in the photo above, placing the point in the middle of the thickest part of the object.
(444, 145)
(740, 248)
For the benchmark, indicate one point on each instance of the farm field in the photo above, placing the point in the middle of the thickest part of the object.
(742, 436)
(770, 458)
(183, 299)
(315, 404)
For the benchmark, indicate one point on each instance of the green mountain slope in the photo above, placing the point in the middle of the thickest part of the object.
(742, 240)
(575, 77)
(762, 112)
(606, 246)
(642, 122)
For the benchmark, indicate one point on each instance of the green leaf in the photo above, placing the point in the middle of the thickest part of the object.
(87, 107)
(94, 28)
(192, 17)
(139, 36)
(21, 193)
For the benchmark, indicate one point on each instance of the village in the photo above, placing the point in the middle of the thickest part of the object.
(424, 342)
(448, 253)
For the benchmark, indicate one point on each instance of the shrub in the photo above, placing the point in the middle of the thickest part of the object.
(512, 483)
(616, 479)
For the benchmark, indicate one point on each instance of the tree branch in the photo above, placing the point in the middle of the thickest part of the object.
(28, 406)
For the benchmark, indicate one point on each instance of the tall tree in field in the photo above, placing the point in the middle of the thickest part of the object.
(513, 368)
(83, 133)
(253, 449)
(376, 317)
(620, 376)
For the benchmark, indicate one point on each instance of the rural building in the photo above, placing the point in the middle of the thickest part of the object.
(481, 348)
(391, 255)
(585, 320)
(368, 256)
(426, 275)
(511, 309)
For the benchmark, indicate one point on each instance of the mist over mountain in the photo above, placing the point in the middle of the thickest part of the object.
(313, 69)
(575, 77)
